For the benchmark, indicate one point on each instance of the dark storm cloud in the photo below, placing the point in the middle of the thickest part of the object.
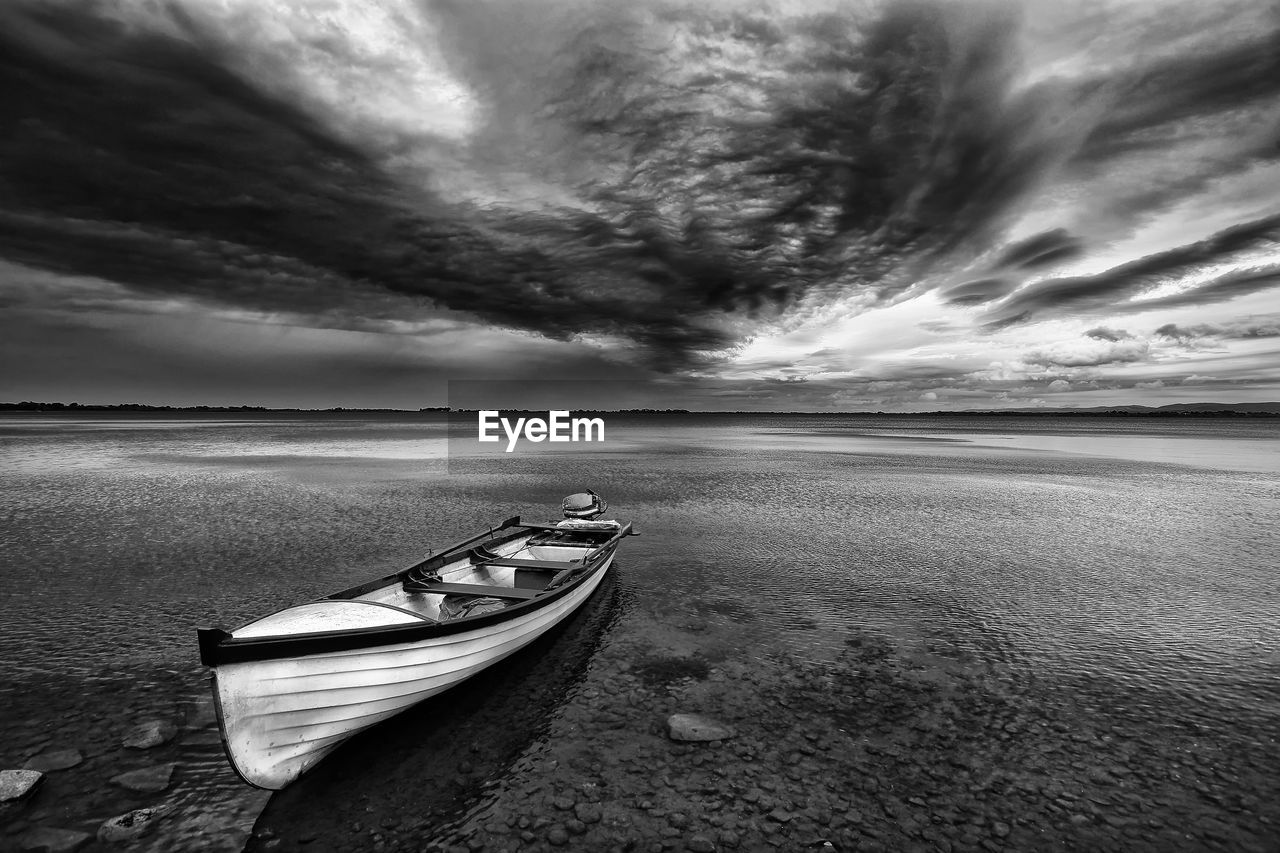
(701, 168)
(137, 157)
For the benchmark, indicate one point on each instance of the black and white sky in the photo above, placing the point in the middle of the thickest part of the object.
(737, 204)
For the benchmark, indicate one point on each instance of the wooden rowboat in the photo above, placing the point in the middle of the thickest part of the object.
(290, 687)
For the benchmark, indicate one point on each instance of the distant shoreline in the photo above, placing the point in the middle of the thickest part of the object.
(1179, 410)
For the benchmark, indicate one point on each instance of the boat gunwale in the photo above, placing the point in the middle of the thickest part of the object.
(218, 647)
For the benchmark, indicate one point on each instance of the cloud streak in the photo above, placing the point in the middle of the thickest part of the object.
(1238, 330)
(1115, 289)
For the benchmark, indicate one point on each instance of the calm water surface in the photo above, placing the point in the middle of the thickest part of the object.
(1126, 566)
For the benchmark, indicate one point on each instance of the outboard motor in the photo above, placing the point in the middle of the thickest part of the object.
(584, 505)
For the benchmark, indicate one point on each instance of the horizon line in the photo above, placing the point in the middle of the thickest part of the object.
(1120, 408)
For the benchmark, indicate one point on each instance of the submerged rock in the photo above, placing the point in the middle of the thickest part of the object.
(203, 739)
(44, 839)
(61, 759)
(693, 727)
(127, 826)
(16, 784)
(150, 733)
(201, 713)
(148, 780)
(701, 844)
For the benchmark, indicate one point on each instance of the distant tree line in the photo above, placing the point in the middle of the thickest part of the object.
(29, 406)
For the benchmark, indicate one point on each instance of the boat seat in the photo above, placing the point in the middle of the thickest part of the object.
(480, 590)
(563, 543)
(536, 565)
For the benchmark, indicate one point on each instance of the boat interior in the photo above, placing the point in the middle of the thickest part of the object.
(496, 573)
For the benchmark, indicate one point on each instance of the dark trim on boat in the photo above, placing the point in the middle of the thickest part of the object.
(218, 647)
(209, 639)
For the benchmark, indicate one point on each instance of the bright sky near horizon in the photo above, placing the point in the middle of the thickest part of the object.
(741, 204)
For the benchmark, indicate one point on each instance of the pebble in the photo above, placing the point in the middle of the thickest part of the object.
(16, 784)
(61, 759)
(588, 813)
(559, 836)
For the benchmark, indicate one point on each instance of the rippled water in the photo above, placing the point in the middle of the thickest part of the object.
(1127, 565)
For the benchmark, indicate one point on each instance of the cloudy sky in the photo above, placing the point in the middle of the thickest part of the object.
(798, 204)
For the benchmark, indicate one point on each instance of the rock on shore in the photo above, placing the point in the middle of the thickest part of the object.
(128, 826)
(16, 784)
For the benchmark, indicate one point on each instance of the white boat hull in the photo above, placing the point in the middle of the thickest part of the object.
(279, 717)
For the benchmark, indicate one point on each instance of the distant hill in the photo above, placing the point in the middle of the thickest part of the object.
(1171, 409)
(1273, 408)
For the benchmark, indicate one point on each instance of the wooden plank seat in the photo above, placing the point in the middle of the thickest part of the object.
(538, 565)
(481, 590)
(561, 542)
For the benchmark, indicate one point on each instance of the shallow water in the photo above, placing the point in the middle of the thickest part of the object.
(1113, 570)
